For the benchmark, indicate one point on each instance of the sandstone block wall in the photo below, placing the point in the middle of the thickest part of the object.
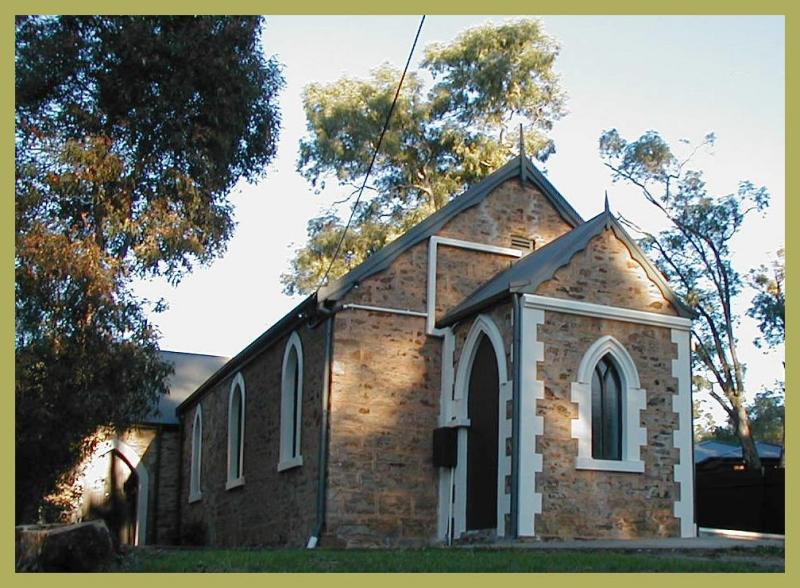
(581, 503)
(511, 209)
(605, 273)
(386, 384)
(384, 406)
(271, 508)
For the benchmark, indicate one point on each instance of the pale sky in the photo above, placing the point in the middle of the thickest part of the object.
(681, 76)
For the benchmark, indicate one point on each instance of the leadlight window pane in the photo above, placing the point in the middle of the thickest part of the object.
(606, 411)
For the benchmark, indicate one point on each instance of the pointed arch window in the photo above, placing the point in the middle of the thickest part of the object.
(291, 404)
(195, 492)
(610, 402)
(236, 421)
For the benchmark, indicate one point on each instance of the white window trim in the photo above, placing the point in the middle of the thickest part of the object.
(290, 432)
(634, 400)
(196, 471)
(238, 380)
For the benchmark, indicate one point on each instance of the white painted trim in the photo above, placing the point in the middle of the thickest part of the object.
(143, 488)
(682, 437)
(288, 464)
(237, 483)
(196, 463)
(237, 381)
(475, 246)
(384, 309)
(531, 425)
(458, 422)
(634, 400)
(602, 311)
(446, 416)
(291, 431)
(609, 465)
(433, 243)
(483, 325)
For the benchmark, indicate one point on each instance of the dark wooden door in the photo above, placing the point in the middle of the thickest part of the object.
(482, 405)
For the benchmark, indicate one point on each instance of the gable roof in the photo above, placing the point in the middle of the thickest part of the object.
(190, 371)
(520, 166)
(527, 274)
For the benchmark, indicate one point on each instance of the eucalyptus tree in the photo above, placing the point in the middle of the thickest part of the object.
(442, 137)
(129, 134)
(694, 254)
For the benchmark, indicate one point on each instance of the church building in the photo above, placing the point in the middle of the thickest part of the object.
(504, 370)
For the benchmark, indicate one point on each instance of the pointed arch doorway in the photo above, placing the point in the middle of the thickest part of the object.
(483, 395)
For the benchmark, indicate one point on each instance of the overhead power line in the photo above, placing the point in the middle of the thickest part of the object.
(374, 156)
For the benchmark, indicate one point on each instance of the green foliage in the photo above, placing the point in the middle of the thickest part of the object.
(694, 255)
(130, 133)
(766, 413)
(437, 143)
(769, 304)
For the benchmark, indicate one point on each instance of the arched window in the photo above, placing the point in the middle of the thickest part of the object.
(606, 411)
(291, 404)
(197, 452)
(608, 426)
(236, 414)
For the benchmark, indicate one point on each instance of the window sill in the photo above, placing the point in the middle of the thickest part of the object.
(195, 497)
(609, 465)
(231, 484)
(287, 464)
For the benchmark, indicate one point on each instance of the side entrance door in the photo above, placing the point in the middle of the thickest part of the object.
(482, 406)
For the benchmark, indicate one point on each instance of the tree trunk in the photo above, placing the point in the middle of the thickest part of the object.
(742, 428)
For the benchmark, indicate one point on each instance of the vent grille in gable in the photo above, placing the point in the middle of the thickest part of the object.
(520, 242)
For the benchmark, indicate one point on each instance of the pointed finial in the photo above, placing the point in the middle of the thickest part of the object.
(606, 205)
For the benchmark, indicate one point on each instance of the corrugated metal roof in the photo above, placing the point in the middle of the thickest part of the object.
(720, 450)
(527, 274)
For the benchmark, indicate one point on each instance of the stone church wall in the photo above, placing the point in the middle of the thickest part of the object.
(271, 508)
(386, 378)
(585, 503)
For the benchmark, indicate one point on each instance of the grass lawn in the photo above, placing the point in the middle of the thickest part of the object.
(444, 560)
